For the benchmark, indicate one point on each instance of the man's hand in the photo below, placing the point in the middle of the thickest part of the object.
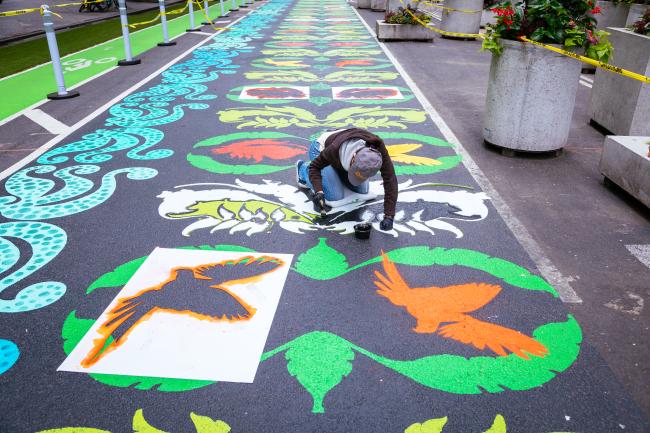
(386, 224)
(319, 203)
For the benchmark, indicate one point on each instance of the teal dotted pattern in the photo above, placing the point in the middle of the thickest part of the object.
(29, 199)
(46, 241)
(9, 354)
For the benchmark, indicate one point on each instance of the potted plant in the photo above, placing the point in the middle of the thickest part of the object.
(620, 104)
(404, 24)
(531, 90)
(487, 16)
(462, 16)
(636, 12)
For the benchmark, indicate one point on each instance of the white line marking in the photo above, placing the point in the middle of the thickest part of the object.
(584, 83)
(47, 122)
(53, 142)
(587, 79)
(545, 266)
(641, 252)
(201, 33)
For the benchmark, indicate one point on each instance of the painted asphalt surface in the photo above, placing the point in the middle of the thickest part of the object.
(339, 357)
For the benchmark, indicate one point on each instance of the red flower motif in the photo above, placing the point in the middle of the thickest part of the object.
(595, 10)
(261, 148)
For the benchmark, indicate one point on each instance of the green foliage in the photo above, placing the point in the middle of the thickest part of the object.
(570, 23)
(642, 26)
(204, 424)
(140, 425)
(406, 15)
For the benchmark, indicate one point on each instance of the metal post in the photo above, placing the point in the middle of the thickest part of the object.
(129, 60)
(243, 4)
(191, 14)
(223, 9)
(206, 10)
(62, 92)
(233, 5)
(163, 22)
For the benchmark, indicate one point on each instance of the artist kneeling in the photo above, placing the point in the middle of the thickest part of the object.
(346, 159)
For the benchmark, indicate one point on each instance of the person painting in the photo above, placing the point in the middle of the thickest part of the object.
(346, 159)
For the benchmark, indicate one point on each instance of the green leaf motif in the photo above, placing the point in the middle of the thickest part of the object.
(283, 117)
(431, 426)
(285, 76)
(140, 425)
(319, 361)
(322, 262)
(204, 424)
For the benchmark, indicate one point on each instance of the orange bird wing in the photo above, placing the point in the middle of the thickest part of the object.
(498, 339)
(461, 298)
(392, 285)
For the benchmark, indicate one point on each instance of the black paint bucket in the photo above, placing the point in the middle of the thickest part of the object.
(362, 231)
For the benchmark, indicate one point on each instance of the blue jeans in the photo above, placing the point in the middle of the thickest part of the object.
(333, 185)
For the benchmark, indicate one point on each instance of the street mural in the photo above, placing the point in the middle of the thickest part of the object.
(432, 307)
(258, 207)
(320, 360)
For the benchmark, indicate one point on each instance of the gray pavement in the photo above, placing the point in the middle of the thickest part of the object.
(581, 225)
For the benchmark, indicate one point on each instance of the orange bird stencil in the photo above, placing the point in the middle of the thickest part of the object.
(200, 292)
(433, 306)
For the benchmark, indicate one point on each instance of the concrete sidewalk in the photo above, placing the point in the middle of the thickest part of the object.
(583, 227)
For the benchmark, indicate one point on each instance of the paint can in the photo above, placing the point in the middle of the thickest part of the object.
(362, 231)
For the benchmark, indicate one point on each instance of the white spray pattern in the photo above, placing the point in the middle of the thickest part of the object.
(470, 207)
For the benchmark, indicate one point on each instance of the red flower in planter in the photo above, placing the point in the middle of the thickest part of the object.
(595, 10)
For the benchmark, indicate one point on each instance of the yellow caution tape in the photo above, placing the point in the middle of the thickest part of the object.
(157, 17)
(437, 5)
(78, 3)
(19, 12)
(207, 17)
(596, 63)
(442, 32)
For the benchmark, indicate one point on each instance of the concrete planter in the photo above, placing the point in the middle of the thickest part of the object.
(635, 14)
(487, 17)
(619, 104)
(625, 162)
(530, 98)
(363, 4)
(612, 15)
(403, 32)
(378, 5)
(462, 22)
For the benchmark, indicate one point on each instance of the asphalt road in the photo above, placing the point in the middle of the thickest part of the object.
(201, 156)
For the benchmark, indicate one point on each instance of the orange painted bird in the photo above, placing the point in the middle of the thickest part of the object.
(433, 306)
(200, 292)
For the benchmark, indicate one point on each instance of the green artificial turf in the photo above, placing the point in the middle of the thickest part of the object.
(24, 55)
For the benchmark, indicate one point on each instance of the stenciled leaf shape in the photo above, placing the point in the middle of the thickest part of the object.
(319, 361)
(259, 149)
(140, 425)
(282, 76)
(498, 426)
(291, 52)
(430, 426)
(400, 153)
(322, 262)
(204, 424)
(360, 76)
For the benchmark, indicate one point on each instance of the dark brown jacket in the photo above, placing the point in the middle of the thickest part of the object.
(330, 156)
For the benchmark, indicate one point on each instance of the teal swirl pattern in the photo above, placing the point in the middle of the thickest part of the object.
(46, 241)
(31, 198)
(9, 354)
